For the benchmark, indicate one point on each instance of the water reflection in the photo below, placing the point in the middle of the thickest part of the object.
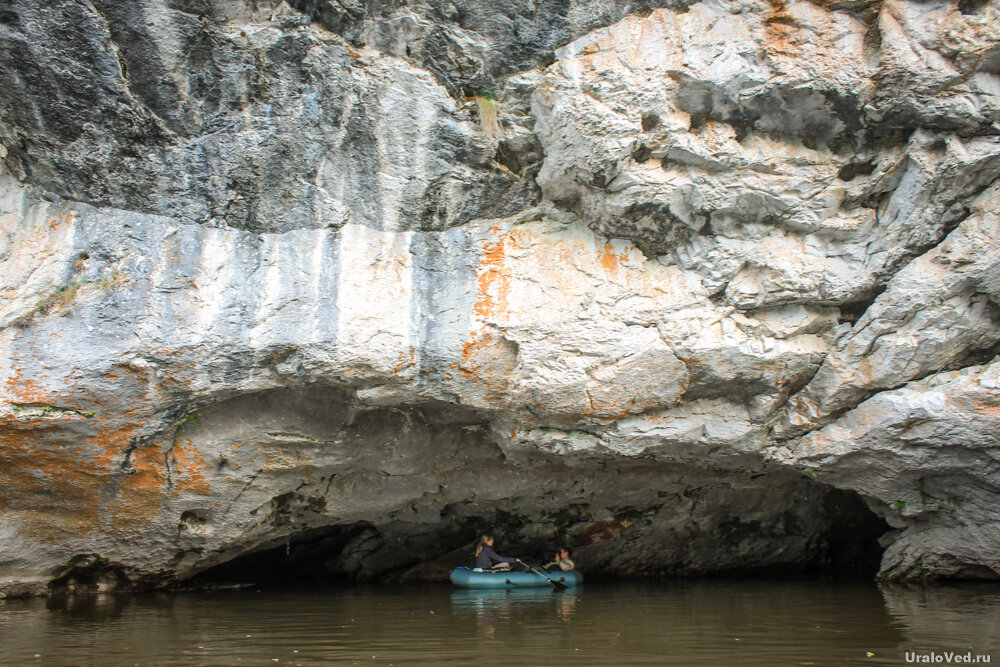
(471, 600)
(947, 618)
(679, 623)
(537, 606)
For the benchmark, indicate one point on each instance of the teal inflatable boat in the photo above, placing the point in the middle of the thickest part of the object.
(466, 578)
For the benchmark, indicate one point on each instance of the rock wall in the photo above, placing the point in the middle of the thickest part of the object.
(674, 283)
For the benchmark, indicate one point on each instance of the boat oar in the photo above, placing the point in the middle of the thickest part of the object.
(560, 586)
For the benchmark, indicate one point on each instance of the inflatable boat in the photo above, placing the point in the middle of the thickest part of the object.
(466, 578)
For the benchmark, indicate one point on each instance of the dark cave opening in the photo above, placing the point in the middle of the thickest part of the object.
(851, 542)
(327, 555)
(847, 545)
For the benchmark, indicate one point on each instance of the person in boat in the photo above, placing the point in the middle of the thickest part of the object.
(562, 561)
(487, 559)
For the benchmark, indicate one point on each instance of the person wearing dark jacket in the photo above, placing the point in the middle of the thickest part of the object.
(486, 557)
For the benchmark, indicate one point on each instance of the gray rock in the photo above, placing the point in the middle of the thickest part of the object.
(696, 288)
(925, 457)
(222, 117)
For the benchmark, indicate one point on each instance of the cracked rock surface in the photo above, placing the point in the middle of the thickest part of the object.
(696, 288)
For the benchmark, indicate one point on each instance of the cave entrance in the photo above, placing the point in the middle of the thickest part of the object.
(837, 532)
(327, 555)
(851, 539)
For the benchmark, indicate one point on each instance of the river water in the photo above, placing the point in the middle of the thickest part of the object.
(678, 623)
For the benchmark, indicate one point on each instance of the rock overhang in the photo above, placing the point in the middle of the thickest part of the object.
(714, 265)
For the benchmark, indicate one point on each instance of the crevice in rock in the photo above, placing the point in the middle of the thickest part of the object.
(977, 357)
(115, 37)
(872, 41)
(969, 359)
(852, 311)
(87, 572)
(856, 168)
(333, 16)
(523, 158)
(952, 218)
(969, 7)
(813, 117)
(794, 387)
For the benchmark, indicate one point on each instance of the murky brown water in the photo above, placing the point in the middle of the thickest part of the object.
(683, 623)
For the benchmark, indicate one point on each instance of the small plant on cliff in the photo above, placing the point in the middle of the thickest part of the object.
(187, 419)
(924, 495)
(63, 297)
(179, 426)
(115, 278)
(33, 409)
(60, 298)
(488, 114)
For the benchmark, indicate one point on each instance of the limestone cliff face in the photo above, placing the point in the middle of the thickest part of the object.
(675, 283)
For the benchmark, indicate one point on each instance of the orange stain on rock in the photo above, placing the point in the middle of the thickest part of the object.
(488, 356)
(657, 420)
(778, 28)
(55, 480)
(609, 259)
(65, 219)
(139, 498)
(489, 360)
(110, 444)
(189, 467)
(50, 490)
(494, 279)
(485, 356)
(599, 531)
(406, 362)
(26, 391)
(977, 404)
(61, 483)
(784, 34)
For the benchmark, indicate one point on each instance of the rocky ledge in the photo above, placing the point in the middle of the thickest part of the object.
(332, 287)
